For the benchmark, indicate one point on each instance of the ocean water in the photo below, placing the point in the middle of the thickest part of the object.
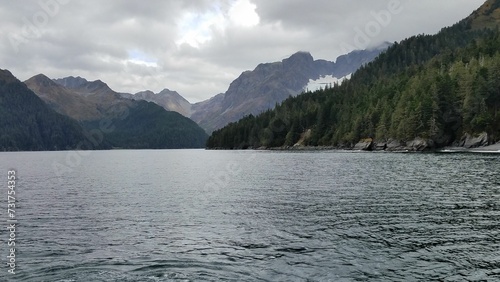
(196, 215)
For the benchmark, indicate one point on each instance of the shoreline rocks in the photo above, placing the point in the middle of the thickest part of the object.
(419, 144)
(364, 145)
(468, 143)
(392, 145)
(473, 141)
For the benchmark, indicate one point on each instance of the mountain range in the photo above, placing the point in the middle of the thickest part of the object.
(256, 91)
(121, 123)
(261, 89)
(425, 92)
(28, 124)
(166, 119)
(170, 100)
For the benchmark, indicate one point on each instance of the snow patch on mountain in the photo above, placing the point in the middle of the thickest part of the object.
(323, 82)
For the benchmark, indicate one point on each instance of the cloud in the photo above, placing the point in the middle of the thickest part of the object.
(196, 47)
(242, 13)
(197, 29)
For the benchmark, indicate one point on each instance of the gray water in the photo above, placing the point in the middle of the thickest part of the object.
(195, 215)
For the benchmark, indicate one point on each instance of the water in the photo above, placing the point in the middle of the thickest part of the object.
(195, 215)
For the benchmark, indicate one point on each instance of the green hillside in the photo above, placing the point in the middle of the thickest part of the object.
(145, 125)
(28, 124)
(117, 122)
(437, 88)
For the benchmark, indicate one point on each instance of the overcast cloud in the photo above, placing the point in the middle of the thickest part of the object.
(198, 47)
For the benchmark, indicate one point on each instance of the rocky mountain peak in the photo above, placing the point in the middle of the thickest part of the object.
(42, 81)
(84, 86)
(168, 99)
(71, 81)
(147, 94)
(7, 77)
(168, 92)
(299, 60)
(300, 57)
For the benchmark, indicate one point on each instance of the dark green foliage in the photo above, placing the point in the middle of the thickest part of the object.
(27, 123)
(145, 125)
(437, 87)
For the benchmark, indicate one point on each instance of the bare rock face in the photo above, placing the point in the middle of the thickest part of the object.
(380, 145)
(395, 145)
(364, 145)
(469, 141)
(420, 144)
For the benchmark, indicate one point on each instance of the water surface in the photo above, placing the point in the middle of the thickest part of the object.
(195, 215)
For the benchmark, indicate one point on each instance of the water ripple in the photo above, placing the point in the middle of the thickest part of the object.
(280, 216)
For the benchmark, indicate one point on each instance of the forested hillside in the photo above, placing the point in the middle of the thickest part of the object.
(127, 123)
(27, 123)
(434, 88)
(146, 125)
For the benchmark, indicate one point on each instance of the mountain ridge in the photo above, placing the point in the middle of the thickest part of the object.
(28, 124)
(260, 89)
(94, 104)
(168, 99)
(425, 92)
(83, 86)
(254, 91)
(267, 84)
(62, 99)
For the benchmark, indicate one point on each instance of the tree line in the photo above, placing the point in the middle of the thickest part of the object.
(437, 87)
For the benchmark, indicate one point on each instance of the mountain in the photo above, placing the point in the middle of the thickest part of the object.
(86, 88)
(268, 84)
(96, 92)
(208, 109)
(28, 124)
(78, 98)
(64, 100)
(145, 125)
(259, 90)
(123, 123)
(487, 16)
(426, 92)
(169, 100)
(349, 63)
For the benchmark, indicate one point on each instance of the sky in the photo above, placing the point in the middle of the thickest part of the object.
(198, 47)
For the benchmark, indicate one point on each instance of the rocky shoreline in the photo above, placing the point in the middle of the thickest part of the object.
(468, 143)
(495, 148)
(486, 149)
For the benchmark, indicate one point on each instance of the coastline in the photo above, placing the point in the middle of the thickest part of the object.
(495, 148)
